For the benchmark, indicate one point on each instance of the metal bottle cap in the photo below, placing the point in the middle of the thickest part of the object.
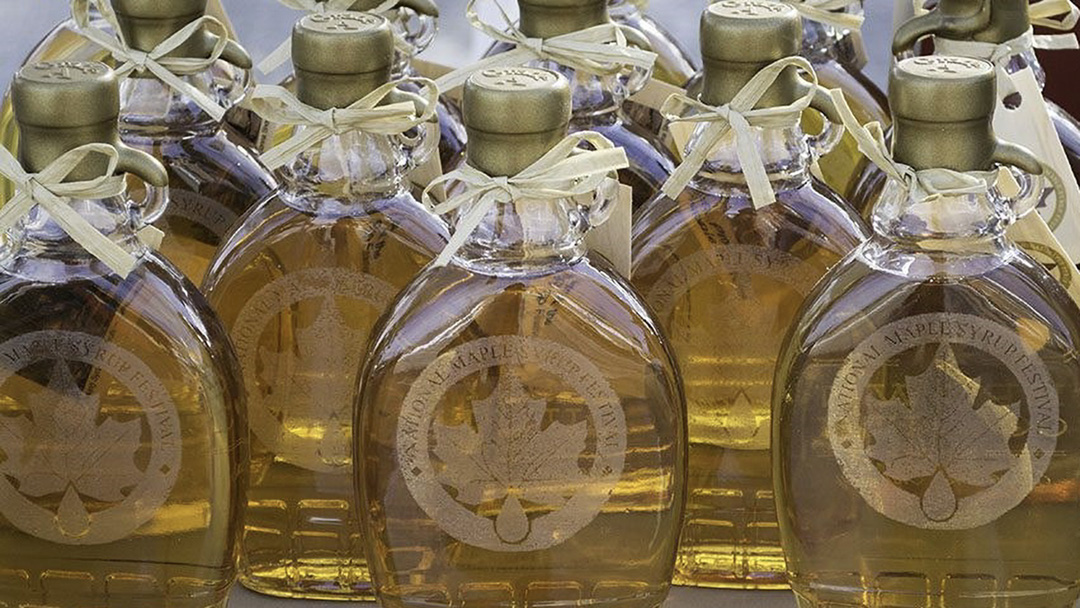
(62, 105)
(147, 23)
(549, 18)
(341, 57)
(993, 21)
(422, 7)
(943, 111)
(513, 117)
(739, 38)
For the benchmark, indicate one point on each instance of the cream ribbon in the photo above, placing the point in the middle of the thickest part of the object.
(283, 53)
(167, 69)
(739, 116)
(601, 49)
(824, 11)
(566, 171)
(927, 185)
(48, 190)
(279, 106)
(1060, 15)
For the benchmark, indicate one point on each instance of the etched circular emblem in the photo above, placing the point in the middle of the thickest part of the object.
(512, 79)
(1051, 259)
(727, 284)
(941, 66)
(749, 9)
(343, 22)
(520, 472)
(65, 71)
(300, 399)
(938, 447)
(76, 471)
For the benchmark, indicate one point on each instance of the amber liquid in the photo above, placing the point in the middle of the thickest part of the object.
(78, 481)
(619, 555)
(300, 292)
(842, 551)
(726, 282)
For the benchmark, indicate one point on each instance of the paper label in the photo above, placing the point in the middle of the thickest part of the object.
(1030, 125)
(429, 171)
(903, 11)
(655, 93)
(612, 238)
(435, 71)
(1033, 235)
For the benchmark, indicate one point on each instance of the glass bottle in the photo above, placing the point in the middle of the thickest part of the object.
(300, 286)
(838, 62)
(926, 453)
(674, 65)
(995, 22)
(597, 99)
(533, 395)
(726, 279)
(213, 178)
(122, 462)
(64, 43)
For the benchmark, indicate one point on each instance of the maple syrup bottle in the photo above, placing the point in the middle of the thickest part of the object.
(598, 100)
(997, 22)
(122, 456)
(521, 420)
(926, 445)
(300, 286)
(213, 178)
(65, 43)
(726, 279)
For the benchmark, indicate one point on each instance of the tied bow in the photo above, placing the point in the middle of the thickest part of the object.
(738, 116)
(927, 185)
(601, 49)
(283, 53)
(828, 12)
(48, 190)
(1061, 15)
(279, 106)
(167, 69)
(566, 171)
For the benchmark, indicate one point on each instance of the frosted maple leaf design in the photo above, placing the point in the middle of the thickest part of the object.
(63, 449)
(316, 382)
(942, 434)
(511, 456)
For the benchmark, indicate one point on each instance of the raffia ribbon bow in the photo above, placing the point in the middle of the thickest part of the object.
(566, 171)
(739, 116)
(283, 53)
(279, 106)
(601, 49)
(167, 69)
(48, 190)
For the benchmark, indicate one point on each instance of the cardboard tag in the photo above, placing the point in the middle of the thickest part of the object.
(1033, 235)
(903, 11)
(1030, 125)
(655, 93)
(428, 172)
(435, 71)
(612, 239)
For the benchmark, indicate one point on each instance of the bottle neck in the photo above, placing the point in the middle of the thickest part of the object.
(38, 247)
(594, 96)
(351, 168)
(149, 107)
(785, 152)
(526, 236)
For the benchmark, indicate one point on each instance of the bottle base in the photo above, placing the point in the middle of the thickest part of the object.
(310, 582)
(722, 566)
(439, 598)
(912, 590)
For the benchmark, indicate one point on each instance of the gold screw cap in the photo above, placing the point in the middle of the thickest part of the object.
(549, 18)
(514, 116)
(341, 57)
(943, 110)
(738, 39)
(62, 105)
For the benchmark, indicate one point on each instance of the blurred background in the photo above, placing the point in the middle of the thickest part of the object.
(263, 24)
